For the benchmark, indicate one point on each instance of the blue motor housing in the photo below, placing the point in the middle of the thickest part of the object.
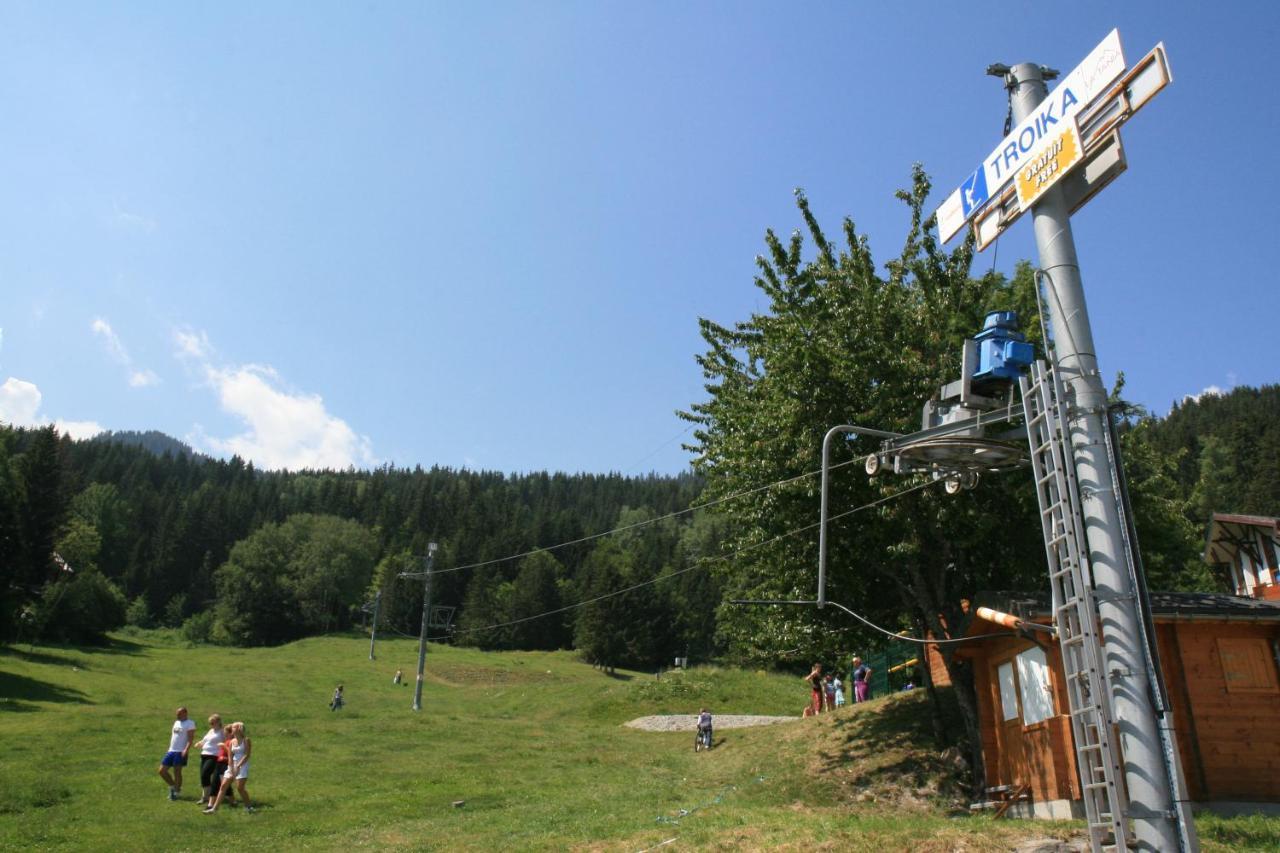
(1003, 351)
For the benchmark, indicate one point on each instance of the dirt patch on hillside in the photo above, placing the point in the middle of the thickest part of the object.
(456, 675)
(689, 722)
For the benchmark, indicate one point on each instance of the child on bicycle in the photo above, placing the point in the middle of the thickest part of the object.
(704, 726)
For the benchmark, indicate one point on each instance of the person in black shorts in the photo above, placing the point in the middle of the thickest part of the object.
(209, 758)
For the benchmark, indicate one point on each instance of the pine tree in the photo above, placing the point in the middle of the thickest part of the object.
(533, 593)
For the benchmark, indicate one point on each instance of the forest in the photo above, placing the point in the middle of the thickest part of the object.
(130, 528)
(164, 538)
(135, 528)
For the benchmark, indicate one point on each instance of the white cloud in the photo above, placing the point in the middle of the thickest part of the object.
(129, 221)
(138, 378)
(285, 429)
(19, 402)
(103, 329)
(192, 344)
(143, 378)
(79, 430)
(1211, 391)
(20, 406)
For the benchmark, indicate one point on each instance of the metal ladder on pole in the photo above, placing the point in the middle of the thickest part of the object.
(1075, 609)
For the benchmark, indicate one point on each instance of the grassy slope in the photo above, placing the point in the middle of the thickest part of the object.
(531, 741)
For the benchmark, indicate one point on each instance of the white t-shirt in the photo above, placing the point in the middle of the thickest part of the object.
(212, 740)
(178, 741)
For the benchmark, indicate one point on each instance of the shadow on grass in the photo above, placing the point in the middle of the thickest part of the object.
(109, 646)
(116, 646)
(32, 656)
(619, 676)
(16, 688)
(888, 744)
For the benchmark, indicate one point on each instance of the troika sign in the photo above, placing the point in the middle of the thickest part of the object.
(1095, 133)
(1040, 130)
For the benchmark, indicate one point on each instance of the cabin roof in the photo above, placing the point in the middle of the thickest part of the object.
(1228, 533)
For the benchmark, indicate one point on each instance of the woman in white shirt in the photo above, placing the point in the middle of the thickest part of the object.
(209, 758)
(238, 771)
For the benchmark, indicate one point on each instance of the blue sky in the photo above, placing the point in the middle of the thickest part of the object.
(481, 234)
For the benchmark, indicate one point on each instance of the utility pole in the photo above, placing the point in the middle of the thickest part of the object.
(373, 638)
(426, 613)
(1150, 780)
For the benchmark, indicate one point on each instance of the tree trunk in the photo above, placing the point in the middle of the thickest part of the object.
(961, 673)
(935, 701)
(927, 592)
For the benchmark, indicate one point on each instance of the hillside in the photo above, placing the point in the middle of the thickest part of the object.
(532, 743)
(152, 441)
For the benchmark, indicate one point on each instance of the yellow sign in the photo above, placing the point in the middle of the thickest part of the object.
(1047, 166)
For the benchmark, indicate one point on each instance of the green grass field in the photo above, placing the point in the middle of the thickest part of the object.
(532, 743)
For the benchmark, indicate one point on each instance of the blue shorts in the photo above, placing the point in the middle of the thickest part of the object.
(173, 759)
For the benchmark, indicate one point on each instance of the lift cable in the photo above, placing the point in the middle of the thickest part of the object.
(647, 522)
(701, 562)
(874, 626)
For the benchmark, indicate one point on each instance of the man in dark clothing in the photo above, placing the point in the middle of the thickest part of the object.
(861, 680)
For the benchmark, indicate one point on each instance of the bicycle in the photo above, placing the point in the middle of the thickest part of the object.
(702, 740)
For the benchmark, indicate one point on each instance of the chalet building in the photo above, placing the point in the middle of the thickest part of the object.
(1245, 549)
(1221, 659)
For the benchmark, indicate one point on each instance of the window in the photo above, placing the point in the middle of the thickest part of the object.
(1008, 692)
(1033, 678)
(1247, 666)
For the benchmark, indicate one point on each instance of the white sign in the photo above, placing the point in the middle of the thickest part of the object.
(1104, 162)
(1085, 82)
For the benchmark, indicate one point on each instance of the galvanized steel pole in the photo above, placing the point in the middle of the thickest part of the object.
(1150, 789)
(373, 637)
(822, 511)
(422, 638)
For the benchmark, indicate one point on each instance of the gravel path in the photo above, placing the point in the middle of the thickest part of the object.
(689, 722)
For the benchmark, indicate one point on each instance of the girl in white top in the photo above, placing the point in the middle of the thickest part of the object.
(209, 758)
(240, 748)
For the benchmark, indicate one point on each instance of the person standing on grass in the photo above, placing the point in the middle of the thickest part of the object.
(705, 725)
(209, 745)
(829, 689)
(861, 680)
(839, 688)
(238, 772)
(337, 702)
(815, 686)
(224, 761)
(181, 736)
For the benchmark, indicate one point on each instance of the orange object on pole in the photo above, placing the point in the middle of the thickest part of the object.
(999, 618)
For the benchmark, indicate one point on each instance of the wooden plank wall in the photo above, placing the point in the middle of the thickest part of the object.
(1227, 739)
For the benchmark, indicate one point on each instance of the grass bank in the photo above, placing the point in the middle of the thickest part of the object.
(532, 743)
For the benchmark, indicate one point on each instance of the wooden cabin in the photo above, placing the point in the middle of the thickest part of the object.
(1221, 660)
(1245, 549)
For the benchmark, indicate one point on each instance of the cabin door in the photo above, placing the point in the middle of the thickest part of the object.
(1025, 705)
(1012, 747)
